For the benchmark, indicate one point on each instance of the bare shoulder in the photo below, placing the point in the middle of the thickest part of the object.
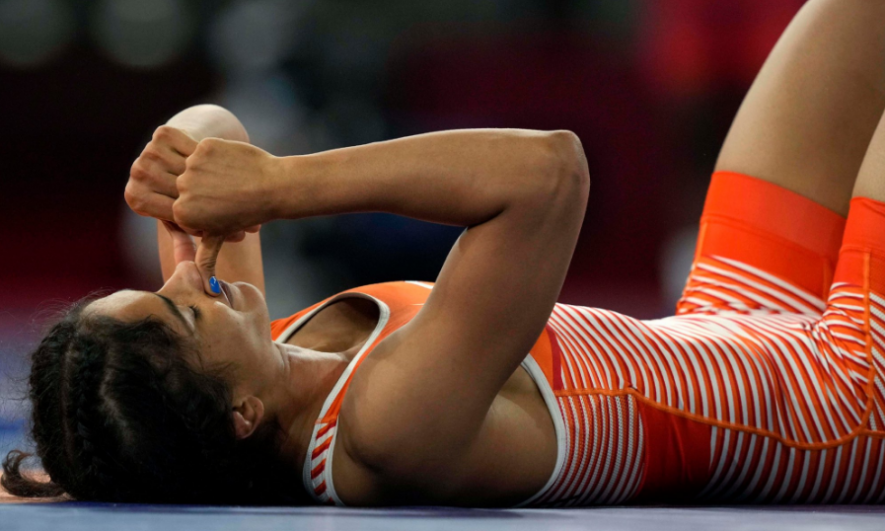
(511, 457)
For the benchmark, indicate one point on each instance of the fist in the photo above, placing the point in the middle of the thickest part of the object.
(151, 189)
(226, 187)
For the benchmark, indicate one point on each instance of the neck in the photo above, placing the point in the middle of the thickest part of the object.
(306, 379)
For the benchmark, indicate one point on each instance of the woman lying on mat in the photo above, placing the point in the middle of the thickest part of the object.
(479, 389)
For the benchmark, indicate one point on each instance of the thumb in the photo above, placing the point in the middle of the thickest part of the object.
(206, 258)
(183, 247)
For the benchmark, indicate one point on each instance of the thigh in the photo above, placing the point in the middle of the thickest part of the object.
(852, 330)
(854, 323)
(806, 121)
(771, 241)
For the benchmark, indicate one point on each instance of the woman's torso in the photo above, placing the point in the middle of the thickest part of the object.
(520, 412)
(608, 409)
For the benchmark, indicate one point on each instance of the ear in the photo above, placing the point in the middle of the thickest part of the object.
(247, 416)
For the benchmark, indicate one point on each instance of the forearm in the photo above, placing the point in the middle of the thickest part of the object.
(463, 177)
(209, 121)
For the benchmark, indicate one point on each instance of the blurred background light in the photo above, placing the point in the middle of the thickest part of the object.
(354, 120)
(256, 34)
(269, 108)
(33, 31)
(677, 255)
(142, 33)
(138, 242)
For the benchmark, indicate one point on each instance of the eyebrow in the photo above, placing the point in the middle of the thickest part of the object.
(174, 309)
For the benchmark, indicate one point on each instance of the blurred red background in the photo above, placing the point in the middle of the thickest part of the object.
(649, 86)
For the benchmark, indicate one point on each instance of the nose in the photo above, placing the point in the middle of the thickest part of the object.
(185, 278)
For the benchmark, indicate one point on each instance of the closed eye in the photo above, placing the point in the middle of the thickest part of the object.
(197, 312)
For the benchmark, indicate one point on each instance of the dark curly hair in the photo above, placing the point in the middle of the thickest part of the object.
(119, 414)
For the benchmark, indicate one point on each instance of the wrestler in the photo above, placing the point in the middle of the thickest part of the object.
(479, 389)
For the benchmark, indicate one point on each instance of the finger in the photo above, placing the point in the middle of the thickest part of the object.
(149, 204)
(162, 158)
(207, 257)
(183, 246)
(235, 237)
(159, 177)
(175, 162)
(180, 141)
(193, 232)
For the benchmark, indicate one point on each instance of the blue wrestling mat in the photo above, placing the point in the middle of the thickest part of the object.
(98, 517)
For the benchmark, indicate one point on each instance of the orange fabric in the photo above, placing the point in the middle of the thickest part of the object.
(404, 301)
(548, 356)
(864, 241)
(771, 228)
(279, 326)
(757, 390)
(682, 456)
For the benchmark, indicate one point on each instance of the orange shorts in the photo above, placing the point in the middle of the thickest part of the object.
(766, 250)
(773, 229)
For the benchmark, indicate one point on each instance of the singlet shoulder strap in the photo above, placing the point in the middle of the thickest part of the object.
(397, 296)
(398, 302)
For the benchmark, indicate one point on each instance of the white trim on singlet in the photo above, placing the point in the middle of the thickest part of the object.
(292, 328)
(427, 285)
(383, 317)
(531, 366)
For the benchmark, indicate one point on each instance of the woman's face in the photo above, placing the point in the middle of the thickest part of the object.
(233, 328)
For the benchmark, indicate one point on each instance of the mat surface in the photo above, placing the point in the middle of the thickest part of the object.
(97, 517)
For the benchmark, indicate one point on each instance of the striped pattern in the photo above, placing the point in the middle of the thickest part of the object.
(319, 455)
(604, 451)
(787, 391)
(790, 387)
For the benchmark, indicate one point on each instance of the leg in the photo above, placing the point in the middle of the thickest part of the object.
(236, 262)
(852, 330)
(871, 179)
(808, 118)
(800, 134)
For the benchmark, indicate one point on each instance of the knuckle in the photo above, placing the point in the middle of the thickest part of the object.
(128, 194)
(208, 146)
(180, 211)
(208, 261)
(182, 183)
(138, 172)
(196, 159)
(134, 199)
(151, 153)
(163, 133)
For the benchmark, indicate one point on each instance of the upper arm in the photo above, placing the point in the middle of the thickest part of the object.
(436, 377)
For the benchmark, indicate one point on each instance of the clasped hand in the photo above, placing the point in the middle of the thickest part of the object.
(214, 189)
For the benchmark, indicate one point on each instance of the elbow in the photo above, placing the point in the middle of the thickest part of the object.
(565, 166)
(569, 154)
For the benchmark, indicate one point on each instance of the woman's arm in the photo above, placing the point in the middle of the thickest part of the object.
(421, 402)
(417, 406)
(463, 177)
(151, 189)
